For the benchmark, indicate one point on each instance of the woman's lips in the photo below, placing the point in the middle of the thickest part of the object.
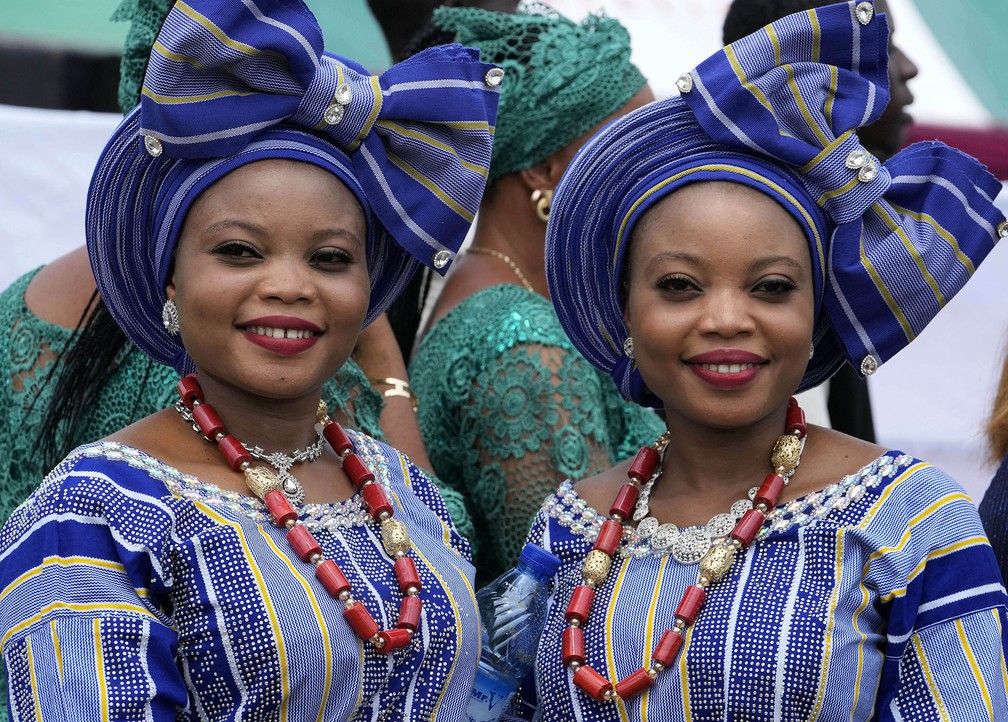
(726, 368)
(285, 336)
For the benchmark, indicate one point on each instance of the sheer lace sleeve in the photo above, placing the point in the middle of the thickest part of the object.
(511, 412)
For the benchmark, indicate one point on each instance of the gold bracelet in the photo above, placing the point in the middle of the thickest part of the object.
(400, 387)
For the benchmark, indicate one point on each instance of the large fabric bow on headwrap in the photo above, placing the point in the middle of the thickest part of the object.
(231, 83)
(890, 242)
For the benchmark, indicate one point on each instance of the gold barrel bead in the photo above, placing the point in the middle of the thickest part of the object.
(786, 453)
(395, 537)
(716, 562)
(262, 481)
(596, 567)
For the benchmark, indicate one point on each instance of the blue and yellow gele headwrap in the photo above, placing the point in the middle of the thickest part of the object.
(890, 243)
(563, 78)
(232, 83)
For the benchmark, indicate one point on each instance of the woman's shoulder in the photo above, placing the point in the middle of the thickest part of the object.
(495, 318)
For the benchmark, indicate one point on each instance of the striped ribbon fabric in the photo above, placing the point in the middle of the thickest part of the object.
(891, 242)
(419, 135)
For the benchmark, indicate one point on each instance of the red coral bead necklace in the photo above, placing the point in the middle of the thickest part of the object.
(714, 566)
(267, 486)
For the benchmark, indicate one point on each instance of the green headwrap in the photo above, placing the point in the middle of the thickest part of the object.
(145, 18)
(561, 78)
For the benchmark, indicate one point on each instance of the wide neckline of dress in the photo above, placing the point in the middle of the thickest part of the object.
(572, 511)
(349, 512)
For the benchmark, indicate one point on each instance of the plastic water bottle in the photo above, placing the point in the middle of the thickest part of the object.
(513, 613)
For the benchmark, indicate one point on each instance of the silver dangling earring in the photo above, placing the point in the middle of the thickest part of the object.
(628, 347)
(170, 317)
(811, 352)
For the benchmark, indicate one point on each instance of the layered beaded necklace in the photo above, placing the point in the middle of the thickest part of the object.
(714, 565)
(267, 486)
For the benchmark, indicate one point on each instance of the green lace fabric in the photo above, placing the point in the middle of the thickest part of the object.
(138, 386)
(509, 409)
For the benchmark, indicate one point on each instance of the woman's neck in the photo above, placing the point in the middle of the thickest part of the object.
(271, 424)
(700, 459)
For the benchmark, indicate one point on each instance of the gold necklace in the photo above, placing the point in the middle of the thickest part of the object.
(507, 259)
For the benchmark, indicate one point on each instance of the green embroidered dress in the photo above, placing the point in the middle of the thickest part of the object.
(509, 409)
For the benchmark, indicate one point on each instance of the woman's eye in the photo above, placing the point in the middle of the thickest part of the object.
(331, 257)
(677, 284)
(237, 249)
(775, 286)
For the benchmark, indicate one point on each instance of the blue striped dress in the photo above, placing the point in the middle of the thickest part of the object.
(875, 598)
(133, 591)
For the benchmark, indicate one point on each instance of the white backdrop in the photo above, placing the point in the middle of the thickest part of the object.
(930, 400)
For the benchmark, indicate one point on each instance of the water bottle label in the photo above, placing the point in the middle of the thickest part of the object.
(490, 695)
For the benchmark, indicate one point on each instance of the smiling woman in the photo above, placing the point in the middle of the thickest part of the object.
(184, 567)
(738, 244)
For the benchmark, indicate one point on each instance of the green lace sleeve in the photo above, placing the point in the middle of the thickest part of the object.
(509, 409)
(136, 387)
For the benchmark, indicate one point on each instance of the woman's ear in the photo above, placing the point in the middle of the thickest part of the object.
(545, 174)
(170, 289)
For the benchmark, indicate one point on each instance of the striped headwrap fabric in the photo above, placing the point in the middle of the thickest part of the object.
(232, 83)
(890, 242)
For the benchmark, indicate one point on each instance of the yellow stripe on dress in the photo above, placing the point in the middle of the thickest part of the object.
(816, 36)
(457, 615)
(929, 678)
(934, 554)
(865, 598)
(997, 623)
(66, 606)
(263, 594)
(830, 623)
(317, 610)
(914, 521)
(100, 669)
(610, 670)
(57, 648)
(887, 492)
(34, 680)
(52, 561)
(649, 640)
(977, 673)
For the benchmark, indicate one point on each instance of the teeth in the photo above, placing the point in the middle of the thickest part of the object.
(728, 368)
(271, 332)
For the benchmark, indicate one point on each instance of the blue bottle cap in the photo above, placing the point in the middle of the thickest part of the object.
(539, 559)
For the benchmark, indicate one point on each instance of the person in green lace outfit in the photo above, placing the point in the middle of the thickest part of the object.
(508, 407)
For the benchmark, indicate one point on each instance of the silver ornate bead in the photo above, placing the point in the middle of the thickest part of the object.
(442, 258)
(864, 12)
(494, 77)
(153, 146)
(647, 527)
(869, 365)
(684, 83)
(664, 537)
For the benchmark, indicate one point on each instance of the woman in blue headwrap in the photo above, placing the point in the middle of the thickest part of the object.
(717, 252)
(242, 556)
